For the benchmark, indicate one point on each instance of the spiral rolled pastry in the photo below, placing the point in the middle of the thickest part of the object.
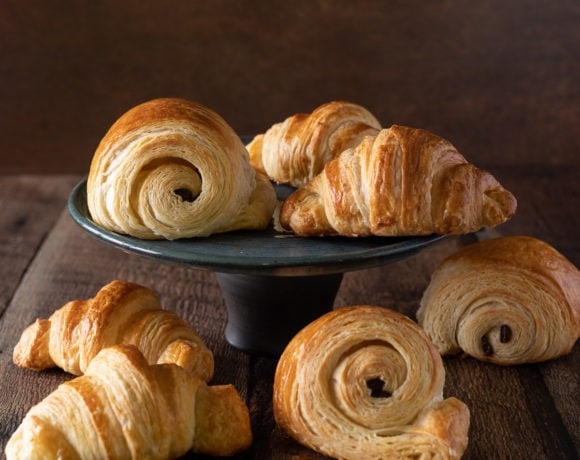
(120, 313)
(508, 300)
(123, 408)
(172, 168)
(295, 150)
(365, 382)
(404, 181)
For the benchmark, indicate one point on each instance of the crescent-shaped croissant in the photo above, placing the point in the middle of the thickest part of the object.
(172, 168)
(120, 313)
(124, 408)
(509, 300)
(365, 382)
(402, 182)
(295, 150)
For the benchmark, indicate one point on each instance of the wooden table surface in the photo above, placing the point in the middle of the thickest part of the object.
(498, 79)
(527, 411)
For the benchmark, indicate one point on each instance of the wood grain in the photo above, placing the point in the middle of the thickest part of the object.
(527, 411)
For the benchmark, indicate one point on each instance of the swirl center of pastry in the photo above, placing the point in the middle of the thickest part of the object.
(377, 387)
(185, 194)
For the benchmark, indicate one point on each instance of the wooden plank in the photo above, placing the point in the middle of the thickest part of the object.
(542, 401)
(547, 199)
(501, 425)
(562, 379)
(517, 412)
(29, 206)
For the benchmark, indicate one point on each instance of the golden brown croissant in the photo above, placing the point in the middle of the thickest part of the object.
(508, 300)
(295, 150)
(365, 382)
(171, 168)
(120, 313)
(404, 181)
(124, 408)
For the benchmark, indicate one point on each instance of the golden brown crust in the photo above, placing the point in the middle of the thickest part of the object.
(295, 150)
(223, 423)
(32, 350)
(172, 168)
(365, 382)
(120, 313)
(124, 408)
(508, 300)
(403, 181)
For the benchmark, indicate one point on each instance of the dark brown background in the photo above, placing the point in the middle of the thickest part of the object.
(484, 74)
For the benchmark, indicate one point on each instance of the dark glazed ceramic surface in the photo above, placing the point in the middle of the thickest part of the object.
(258, 252)
(265, 312)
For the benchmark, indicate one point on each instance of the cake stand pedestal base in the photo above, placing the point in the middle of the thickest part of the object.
(265, 312)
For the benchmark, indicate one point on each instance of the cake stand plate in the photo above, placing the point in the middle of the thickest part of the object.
(273, 283)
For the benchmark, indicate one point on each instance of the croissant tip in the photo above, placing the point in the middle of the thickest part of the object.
(31, 351)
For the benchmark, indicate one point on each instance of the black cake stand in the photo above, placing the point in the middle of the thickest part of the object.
(273, 283)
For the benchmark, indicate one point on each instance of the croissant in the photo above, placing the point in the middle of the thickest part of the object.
(120, 313)
(404, 181)
(295, 150)
(172, 168)
(509, 300)
(124, 408)
(365, 382)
